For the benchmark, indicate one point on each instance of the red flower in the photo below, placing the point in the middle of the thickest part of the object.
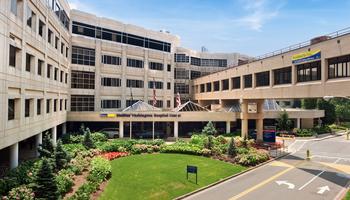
(114, 155)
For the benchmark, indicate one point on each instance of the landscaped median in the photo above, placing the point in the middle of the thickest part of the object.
(89, 166)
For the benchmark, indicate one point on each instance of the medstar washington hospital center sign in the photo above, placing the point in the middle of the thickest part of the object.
(306, 56)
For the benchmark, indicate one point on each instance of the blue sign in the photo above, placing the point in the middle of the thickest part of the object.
(192, 170)
(269, 136)
(306, 56)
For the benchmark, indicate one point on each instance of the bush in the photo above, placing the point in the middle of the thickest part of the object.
(209, 143)
(232, 134)
(22, 192)
(209, 129)
(231, 151)
(61, 157)
(183, 148)
(45, 186)
(322, 129)
(72, 138)
(101, 170)
(87, 142)
(98, 137)
(198, 139)
(253, 157)
(46, 149)
(64, 181)
(305, 133)
(126, 145)
(73, 149)
(84, 191)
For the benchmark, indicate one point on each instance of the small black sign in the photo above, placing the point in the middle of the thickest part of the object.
(192, 170)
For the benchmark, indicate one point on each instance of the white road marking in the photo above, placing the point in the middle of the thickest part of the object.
(321, 190)
(290, 185)
(310, 181)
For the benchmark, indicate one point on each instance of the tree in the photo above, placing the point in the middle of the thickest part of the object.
(330, 111)
(61, 156)
(342, 109)
(231, 151)
(46, 149)
(82, 129)
(209, 142)
(45, 186)
(283, 122)
(209, 129)
(87, 142)
(309, 103)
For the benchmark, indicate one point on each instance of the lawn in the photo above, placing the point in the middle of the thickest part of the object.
(347, 197)
(162, 176)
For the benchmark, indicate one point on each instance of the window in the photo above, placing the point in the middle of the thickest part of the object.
(168, 86)
(134, 83)
(309, 71)
(61, 76)
(27, 108)
(195, 74)
(130, 102)
(48, 104)
(48, 71)
(40, 67)
(38, 107)
(82, 103)
(208, 87)
(181, 58)
(56, 74)
(181, 88)
(83, 80)
(29, 60)
(134, 63)
(236, 82)
(66, 78)
(181, 73)
(195, 61)
(55, 105)
(283, 76)
(156, 66)
(202, 88)
(49, 36)
(83, 56)
(169, 68)
(213, 63)
(107, 104)
(30, 16)
(11, 109)
(67, 51)
(262, 79)
(56, 42)
(111, 60)
(155, 84)
(41, 28)
(168, 104)
(65, 104)
(225, 84)
(62, 48)
(111, 82)
(339, 67)
(248, 81)
(159, 103)
(12, 58)
(216, 86)
(61, 102)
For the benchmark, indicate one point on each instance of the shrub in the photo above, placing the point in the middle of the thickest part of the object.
(322, 129)
(61, 156)
(73, 149)
(183, 148)
(139, 148)
(206, 152)
(45, 184)
(84, 191)
(209, 129)
(72, 138)
(198, 139)
(114, 155)
(88, 143)
(209, 142)
(98, 137)
(101, 170)
(64, 181)
(22, 192)
(232, 134)
(46, 149)
(305, 133)
(252, 158)
(231, 151)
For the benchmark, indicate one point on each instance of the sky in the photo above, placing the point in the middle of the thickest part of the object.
(251, 27)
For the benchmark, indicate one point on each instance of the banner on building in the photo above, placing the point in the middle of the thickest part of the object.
(306, 56)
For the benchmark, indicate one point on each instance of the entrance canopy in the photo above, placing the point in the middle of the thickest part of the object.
(190, 106)
(141, 106)
(269, 105)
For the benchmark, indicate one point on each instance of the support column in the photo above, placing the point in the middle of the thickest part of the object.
(259, 129)
(244, 119)
(14, 156)
(38, 141)
(298, 122)
(64, 128)
(228, 127)
(54, 135)
(176, 129)
(121, 129)
(244, 131)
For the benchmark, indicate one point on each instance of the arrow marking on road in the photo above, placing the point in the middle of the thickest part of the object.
(321, 190)
(290, 185)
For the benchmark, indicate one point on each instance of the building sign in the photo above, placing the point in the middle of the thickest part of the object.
(252, 107)
(192, 170)
(306, 56)
(269, 134)
(139, 115)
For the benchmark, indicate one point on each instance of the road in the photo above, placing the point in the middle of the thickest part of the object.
(325, 176)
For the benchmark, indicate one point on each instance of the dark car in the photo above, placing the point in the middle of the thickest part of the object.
(149, 134)
(111, 132)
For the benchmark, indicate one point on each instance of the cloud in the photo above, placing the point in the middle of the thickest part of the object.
(260, 11)
(83, 6)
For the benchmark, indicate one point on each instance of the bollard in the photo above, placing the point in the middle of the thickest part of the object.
(308, 154)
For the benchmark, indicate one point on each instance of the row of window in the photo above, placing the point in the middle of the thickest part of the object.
(52, 105)
(120, 37)
(38, 68)
(116, 103)
(183, 58)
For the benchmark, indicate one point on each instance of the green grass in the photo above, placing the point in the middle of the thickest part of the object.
(347, 197)
(162, 176)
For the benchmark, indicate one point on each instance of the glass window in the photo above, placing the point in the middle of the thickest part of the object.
(11, 109)
(155, 84)
(107, 104)
(28, 62)
(236, 82)
(48, 70)
(309, 71)
(225, 84)
(83, 56)
(156, 66)
(134, 83)
(169, 68)
(12, 56)
(181, 88)
(82, 103)
(339, 67)
(181, 73)
(130, 102)
(195, 61)
(168, 85)
(27, 108)
(82, 79)
(195, 74)
(248, 81)
(262, 79)
(181, 58)
(41, 28)
(110, 82)
(40, 67)
(14, 7)
(48, 104)
(134, 63)
(202, 88)
(283, 76)
(208, 87)
(111, 60)
(216, 86)
(38, 107)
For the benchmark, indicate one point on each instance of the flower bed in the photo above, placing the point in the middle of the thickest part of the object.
(114, 155)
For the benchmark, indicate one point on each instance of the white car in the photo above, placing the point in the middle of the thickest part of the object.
(111, 132)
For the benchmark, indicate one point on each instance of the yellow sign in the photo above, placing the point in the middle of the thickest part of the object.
(111, 115)
(306, 56)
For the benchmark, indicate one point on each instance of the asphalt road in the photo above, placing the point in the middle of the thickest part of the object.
(325, 176)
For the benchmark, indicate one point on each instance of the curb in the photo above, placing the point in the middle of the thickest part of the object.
(230, 177)
(324, 138)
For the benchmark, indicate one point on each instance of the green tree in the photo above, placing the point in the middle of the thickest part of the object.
(342, 109)
(330, 111)
(87, 142)
(309, 103)
(45, 186)
(209, 129)
(61, 156)
(231, 151)
(283, 121)
(46, 149)
(209, 144)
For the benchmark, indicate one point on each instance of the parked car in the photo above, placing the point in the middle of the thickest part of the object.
(111, 132)
(149, 134)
